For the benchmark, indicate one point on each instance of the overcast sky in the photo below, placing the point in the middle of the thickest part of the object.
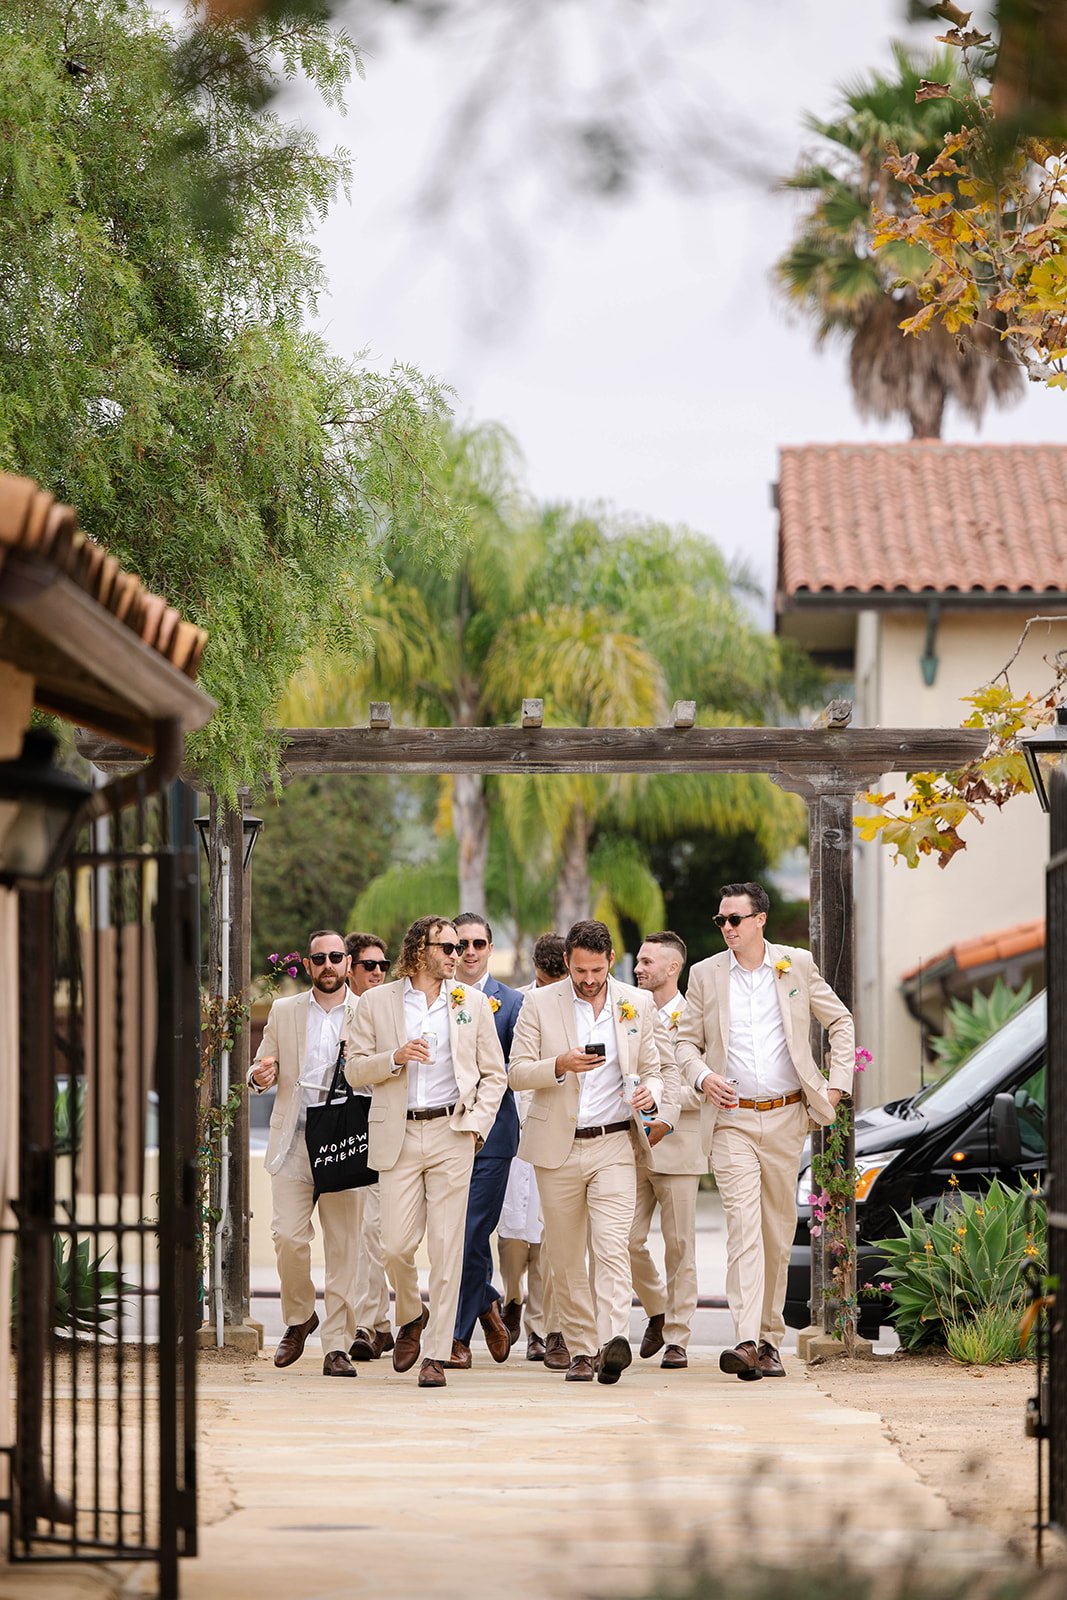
(643, 359)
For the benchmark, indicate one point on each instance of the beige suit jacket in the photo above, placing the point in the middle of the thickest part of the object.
(285, 1038)
(685, 1151)
(545, 1029)
(378, 1029)
(803, 993)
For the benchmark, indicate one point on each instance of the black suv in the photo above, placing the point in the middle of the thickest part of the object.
(985, 1119)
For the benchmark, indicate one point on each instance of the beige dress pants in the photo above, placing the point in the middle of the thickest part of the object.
(425, 1194)
(518, 1258)
(755, 1156)
(372, 1288)
(292, 1203)
(591, 1197)
(676, 1299)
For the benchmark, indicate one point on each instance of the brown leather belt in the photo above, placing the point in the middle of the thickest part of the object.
(609, 1127)
(764, 1105)
(429, 1113)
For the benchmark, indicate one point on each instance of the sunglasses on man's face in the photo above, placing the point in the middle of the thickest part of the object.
(373, 966)
(444, 944)
(334, 957)
(734, 918)
(468, 944)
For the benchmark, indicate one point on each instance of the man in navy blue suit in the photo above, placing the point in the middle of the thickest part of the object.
(479, 1301)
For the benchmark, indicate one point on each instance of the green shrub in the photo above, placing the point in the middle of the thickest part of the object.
(970, 1255)
(86, 1298)
(987, 1339)
(971, 1024)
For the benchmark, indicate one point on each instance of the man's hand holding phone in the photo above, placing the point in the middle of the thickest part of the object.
(582, 1059)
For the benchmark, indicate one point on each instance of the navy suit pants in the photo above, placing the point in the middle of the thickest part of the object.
(489, 1180)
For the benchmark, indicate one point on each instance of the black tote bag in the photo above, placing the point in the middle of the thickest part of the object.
(336, 1137)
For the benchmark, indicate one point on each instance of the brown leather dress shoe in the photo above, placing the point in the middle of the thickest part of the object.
(497, 1337)
(511, 1317)
(557, 1356)
(370, 1345)
(674, 1356)
(292, 1342)
(580, 1370)
(742, 1361)
(653, 1339)
(409, 1342)
(770, 1362)
(613, 1360)
(535, 1348)
(337, 1365)
(432, 1375)
(460, 1359)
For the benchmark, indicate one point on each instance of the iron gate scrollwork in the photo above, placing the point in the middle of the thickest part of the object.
(104, 1461)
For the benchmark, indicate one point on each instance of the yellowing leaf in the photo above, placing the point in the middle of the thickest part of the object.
(929, 203)
(922, 319)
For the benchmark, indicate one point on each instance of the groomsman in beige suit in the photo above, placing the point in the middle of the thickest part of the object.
(670, 1181)
(744, 1042)
(298, 1053)
(576, 1044)
(428, 1047)
(368, 965)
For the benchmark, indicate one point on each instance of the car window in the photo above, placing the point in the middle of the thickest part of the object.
(969, 1083)
(1030, 1106)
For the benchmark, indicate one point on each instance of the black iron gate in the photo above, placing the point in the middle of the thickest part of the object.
(1056, 912)
(104, 1464)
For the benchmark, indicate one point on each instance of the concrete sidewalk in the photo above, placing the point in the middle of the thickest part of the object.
(325, 1488)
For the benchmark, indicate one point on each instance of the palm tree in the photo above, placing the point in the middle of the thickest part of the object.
(851, 290)
(429, 630)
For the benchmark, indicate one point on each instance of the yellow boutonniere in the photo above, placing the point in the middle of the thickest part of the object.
(783, 966)
(626, 1011)
(457, 996)
(494, 1002)
(673, 1020)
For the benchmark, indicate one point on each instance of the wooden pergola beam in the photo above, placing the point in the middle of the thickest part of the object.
(841, 758)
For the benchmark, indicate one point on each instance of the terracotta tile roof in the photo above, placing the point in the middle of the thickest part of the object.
(924, 516)
(1022, 939)
(34, 523)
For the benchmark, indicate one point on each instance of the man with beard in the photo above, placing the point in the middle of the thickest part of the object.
(596, 1056)
(298, 1053)
(428, 1048)
(479, 1300)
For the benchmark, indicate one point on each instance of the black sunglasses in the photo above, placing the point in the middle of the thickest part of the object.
(334, 957)
(478, 944)
(444, 944)
(735, 918)
(373, 966)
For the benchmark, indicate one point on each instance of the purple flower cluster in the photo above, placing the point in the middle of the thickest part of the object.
(282, 966)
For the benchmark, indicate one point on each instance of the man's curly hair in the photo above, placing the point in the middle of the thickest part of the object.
(413, 948)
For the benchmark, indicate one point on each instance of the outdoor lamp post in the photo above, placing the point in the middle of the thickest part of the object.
(251, 828)
(1045, 752)
(40, 812)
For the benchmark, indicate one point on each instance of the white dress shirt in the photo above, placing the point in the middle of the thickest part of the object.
(671, 1013)
(602, 1096)
(321, 1044)
(430, 1083)
(757, 1054)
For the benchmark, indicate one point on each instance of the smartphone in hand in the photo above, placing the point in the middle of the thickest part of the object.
(596, 1049)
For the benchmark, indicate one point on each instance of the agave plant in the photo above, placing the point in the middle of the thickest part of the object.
(972, 1022)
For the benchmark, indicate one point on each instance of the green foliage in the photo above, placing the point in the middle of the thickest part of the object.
(324, 839)
(987, 1339)
(970, 1255)
(85, 1297)
(155, 254)
(971, 1024)
(69, 1115)
(863, 287)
